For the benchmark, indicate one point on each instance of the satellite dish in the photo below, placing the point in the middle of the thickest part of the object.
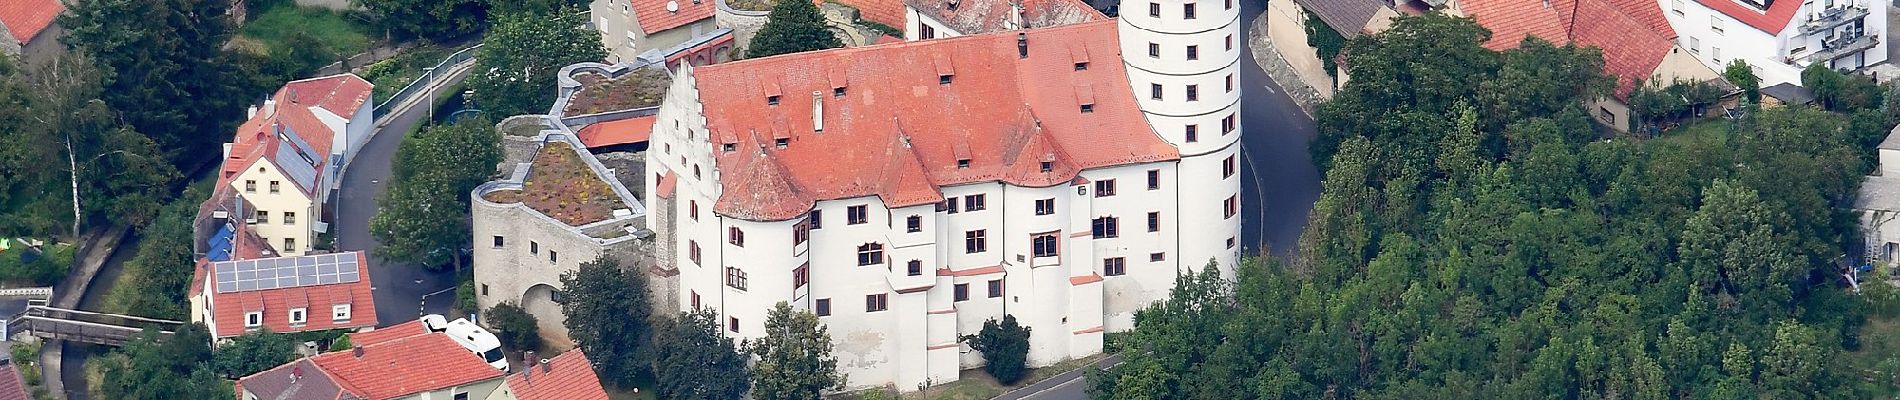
(672, 6)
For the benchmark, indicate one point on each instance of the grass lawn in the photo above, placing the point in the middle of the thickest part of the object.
(1878, 356)
(974, 384)
(274, 25)
(1699, 131)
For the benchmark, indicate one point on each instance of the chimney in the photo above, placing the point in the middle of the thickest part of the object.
(817, 111)
(1022, 45)
(357, 351)
(545, 366)
(296, 373)
(270, 107)
(527, 374)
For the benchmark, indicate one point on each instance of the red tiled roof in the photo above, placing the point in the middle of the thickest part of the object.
(11, 387)
(653, 16)
(887, 12)
(631, 130)
(406, 366)
(275, 304)
(1632, 48)
(1649, 13)
(984, 16)
(1772, 21)
(26, 18)
(568, 376)
(388, 333)
(340, 94)
(888, 39)
(300, 379)
(898, 134)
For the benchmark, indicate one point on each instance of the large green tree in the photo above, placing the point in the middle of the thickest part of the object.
(1743, 76)
(517, 328)
(607, 311)
(152, 367)
(429, 19)
(253, 352)
(792, 27)
(156, 279)
(515, 69)
(423, 217)
(793, 360)
(164, 69)
(65, 141)
(692, 360)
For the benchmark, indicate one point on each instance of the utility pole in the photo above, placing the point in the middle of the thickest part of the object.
(430, 71)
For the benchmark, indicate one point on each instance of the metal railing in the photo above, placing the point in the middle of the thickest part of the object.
(429, 78)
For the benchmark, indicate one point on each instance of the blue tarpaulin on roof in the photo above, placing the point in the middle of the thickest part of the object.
(220, 244)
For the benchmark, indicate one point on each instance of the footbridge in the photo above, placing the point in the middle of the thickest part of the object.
(82, 326)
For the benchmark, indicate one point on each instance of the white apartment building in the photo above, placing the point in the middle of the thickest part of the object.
(1781, 37)
(287, 160)
(907, 193)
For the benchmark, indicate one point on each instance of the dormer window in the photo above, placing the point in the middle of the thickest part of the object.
(1048, 166)
(771, 100)
(837, 91)
(781, 142)
(951, 5)
(340, 312)
(1088, 108)
(253, 319)
(298, 316)
(728, 147)
(963, 163)
(944, 79)
(1082, 66)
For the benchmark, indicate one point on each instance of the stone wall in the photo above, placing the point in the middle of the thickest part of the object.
(744, 24)
(1278, 41)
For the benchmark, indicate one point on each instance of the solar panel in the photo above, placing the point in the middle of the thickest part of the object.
(285, 272)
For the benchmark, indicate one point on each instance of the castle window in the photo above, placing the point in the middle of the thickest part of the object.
(1105, 188)
(870, 254)
(1157, 257)
(914, 268)
(1154, 221)
(996, 288)
(735, 236)
(1106, 227)
(801, 276)
(1187, 11)
(817, 219)
(976, 241)
(1193, 92)
(735, 278)
(1045, 206)
(1154, 50)
(1044, 245)
(1154, 179)
(1154, 91)
(1154, 10)
(1114, 266)
(822, 307)
(876, 302)
(960, 292)
(856, 215)
(914, 224)
(1193, 133)
(1228, 166)
(974, 202)
(1232, 206)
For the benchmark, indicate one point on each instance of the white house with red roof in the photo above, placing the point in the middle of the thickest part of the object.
(656, 31)
(286, 161)
(931, 19)
(401, 362)
(906, 193)
(1638, 45)
(1781, 37)
(28, 29)
(283, 294)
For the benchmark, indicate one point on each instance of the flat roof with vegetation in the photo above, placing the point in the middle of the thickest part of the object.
(598, 94)
(561, 186)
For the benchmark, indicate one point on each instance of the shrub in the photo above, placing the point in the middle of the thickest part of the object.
(517, 329)
(1005, 347)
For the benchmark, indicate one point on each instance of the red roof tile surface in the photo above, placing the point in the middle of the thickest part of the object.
(568, 376)
(257, 140)
(275, 304)
(887, 12)
(1772, 20)
(26, 18)
(653, 16)
(11, 387)
(406, 366)
(898, 134)
(984, 16)
(339, 94)
(631, 130)
(389, 333)
(1632, 48)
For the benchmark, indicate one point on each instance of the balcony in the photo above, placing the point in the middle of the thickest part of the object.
(1832, 18)
(1832, 49)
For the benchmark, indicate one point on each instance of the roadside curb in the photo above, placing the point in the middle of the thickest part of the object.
(1060, 380)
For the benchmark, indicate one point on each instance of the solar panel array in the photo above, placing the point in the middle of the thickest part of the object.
(286, 272)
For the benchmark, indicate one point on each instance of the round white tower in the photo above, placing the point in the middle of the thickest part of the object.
(1183, 59)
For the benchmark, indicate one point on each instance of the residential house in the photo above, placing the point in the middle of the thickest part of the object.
(1286, 27)
(669, 31)
(406, 363)
(569, 376)
(28, 29)
(281, 294)
(1778, 38)
(932, 19)
(1637, 43)
(1879, 205)
(286, 161)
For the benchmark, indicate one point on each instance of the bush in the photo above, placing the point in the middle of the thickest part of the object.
(36, 267)
(1005, 347)
(465, 297)
(517, 329)
(252, 353)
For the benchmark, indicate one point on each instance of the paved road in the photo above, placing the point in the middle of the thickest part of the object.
(1279, 181)
(399, 287)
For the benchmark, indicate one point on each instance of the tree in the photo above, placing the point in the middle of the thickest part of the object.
(423, 218)
(253, 352)
(793, 359)
(792, 27)
(165, 69)
(437, 20)
(1743, 76)
(516, 66)
(151, 368)
(692, 360)
(156, 279)
(517, 328)
(607, 311)
(1005, 348)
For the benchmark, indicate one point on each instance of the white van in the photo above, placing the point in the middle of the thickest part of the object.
(472, 337)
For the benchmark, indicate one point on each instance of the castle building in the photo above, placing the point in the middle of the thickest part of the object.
(906, 193)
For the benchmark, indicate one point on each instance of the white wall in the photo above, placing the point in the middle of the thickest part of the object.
(915, 21)
(1765, 50)
(288, 199)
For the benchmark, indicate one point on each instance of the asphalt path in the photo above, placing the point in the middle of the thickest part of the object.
(1279, 182)
(398, 287)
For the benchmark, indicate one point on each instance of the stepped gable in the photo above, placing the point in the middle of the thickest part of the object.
(991, 91)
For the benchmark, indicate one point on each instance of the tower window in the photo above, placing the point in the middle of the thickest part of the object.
(1194, 52)
(1230, 42)
(1187, 11)
(1154, 50)
(1154, 10)
(1154, 91)
(1193, 133)
(1154, 179)
(1193, 92)
(1230, 83)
